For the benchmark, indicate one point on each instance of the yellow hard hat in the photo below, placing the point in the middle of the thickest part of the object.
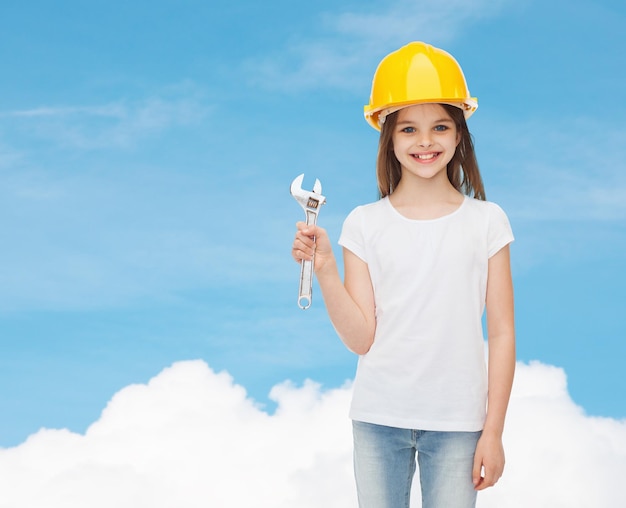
(414, 74)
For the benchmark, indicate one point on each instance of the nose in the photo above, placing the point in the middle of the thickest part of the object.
(424, 140)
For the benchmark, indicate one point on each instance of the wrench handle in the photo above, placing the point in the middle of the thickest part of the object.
(306, 271)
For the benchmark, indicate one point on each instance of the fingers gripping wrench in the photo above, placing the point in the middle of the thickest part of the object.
(311, 203)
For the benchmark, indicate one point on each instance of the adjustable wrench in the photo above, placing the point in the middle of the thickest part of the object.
(311, 203)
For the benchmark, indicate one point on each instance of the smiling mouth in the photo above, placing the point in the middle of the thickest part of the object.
(425, 156)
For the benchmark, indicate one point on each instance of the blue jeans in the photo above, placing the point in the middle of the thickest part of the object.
(384, 465)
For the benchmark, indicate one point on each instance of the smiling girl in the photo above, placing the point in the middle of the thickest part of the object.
(421, 264)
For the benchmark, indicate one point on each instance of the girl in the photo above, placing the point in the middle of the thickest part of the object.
(420, 266)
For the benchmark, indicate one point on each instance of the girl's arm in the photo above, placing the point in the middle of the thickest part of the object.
(501, 336)
(350, 305)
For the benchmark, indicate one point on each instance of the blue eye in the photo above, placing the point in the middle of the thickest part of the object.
(408, 130)
(441, 128)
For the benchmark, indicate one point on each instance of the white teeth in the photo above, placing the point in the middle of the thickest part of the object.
(425, 156)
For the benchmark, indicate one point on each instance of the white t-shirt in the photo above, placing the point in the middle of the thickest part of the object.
(426, 368)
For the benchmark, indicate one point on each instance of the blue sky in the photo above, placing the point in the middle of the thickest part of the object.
(146, 152)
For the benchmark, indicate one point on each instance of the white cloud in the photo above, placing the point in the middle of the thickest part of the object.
(191, 437)
(342, 55)
(188, 438)
(557, 455)
(402, 20)
(117, 124)
(109, 110)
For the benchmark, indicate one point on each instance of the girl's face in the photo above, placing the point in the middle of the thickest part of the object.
(424, 141)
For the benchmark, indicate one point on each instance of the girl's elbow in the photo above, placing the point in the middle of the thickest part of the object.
(359, 340)
(360, 348)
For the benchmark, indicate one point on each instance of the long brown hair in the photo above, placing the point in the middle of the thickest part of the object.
(463, 171)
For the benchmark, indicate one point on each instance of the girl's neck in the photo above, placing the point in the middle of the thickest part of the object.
(425, 199)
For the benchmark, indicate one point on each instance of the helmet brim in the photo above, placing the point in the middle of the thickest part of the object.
(375, 116)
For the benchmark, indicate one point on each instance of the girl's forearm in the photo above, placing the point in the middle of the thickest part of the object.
(500, 381)
(348, 319)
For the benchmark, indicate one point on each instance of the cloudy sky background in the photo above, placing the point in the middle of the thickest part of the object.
(148, 317)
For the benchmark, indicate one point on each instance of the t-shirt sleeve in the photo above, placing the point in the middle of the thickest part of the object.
(500, 232)
(352, 234)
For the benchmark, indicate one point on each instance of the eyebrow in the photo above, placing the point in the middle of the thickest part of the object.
(441, 120)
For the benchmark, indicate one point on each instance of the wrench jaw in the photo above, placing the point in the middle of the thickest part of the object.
(311, 203)
(296, 186)
(317, 188)
(308, 200)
